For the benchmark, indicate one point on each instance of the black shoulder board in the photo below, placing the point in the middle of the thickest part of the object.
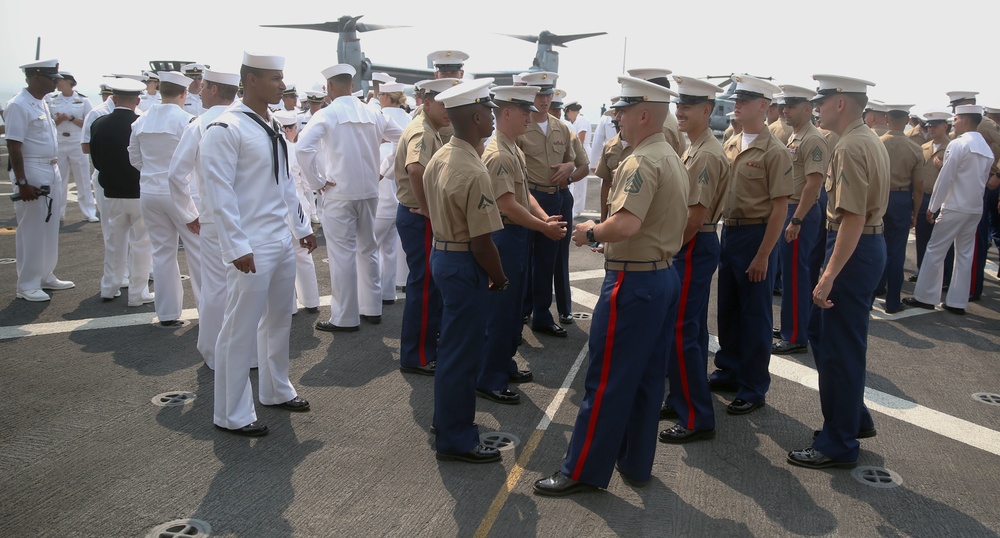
(219, 123)
(192, 119)
(80, 94)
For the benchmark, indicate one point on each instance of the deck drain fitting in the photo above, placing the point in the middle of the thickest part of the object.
(7, 261)
(185, 277)
(173, 399)
(181, 527)
(877, 477)
(325, 260)
(988, 398)
(580, 315)
(499, 440)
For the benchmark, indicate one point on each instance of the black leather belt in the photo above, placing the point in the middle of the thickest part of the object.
(612, 265)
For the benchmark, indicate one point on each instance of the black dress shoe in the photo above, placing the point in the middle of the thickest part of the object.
(254, 429)
(526, 319)
(560, 485)
(742, 407)
(552, 330)
(954, 310)
(388, 302)
(785, 347)
(505, 396)
(911, 278)
(296, 404)
(678, 435)
(863, 434)
(910, 301)
(668, 412)
(566, 319)
(419, 370)
(522, 376)
(480, 454)
(312, 309)
(777, 292)
(811, 458)
(775, 332)
(879, 293)
(171, 323)
(374, 320)
(631, 481)
(331, 328)
(896, 310)
(716, 385)
(975, 298)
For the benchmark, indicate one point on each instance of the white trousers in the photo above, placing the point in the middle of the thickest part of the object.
(579, 191)
(388, 255)
(36, 242)
(349, 227)
(263, 302)
(950, 228)
(72, 159)
(128, 241)
(212, 306)
(165, 226)
(306, 286)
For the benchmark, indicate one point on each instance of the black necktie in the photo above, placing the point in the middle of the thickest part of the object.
(276, 138)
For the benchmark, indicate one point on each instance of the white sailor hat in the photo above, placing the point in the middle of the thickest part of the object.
(557, 99)
(991, 110)
(960, 96)
(876, 106)
(286, 117)
(968, 109)
(545, 80)
(833, 84)
(521, 96)
(359, 93)
(258, 61)
(791, 94)
(898, 108)
(290, 91)
(174, 77)
(748, 87)
(636, 90)
(382, 78)
(691, 91)
(125, 86)
(936, 115)
(46, 68)
(151, 75)
(437, 85)
(67, 75)
(105, 90)
(656, 75)
(473, 92)
(140, 78)
(390, 87)
(315, 97)
(193, 69)
(339, 69)
(226, 79)
(448, 60)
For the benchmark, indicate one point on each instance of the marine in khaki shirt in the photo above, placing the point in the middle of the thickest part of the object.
(858, 177)
(611, 156)
(460, 199)
(933, 153)
(760, 172)
(544, 150)
(419, 141)
(810, 154)
(708, 175)
(907, 169)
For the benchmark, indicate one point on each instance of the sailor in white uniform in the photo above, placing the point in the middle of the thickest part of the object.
(155, 136)
(103, 109)
(192, 101)
(186, 184)
(244, 165)
(31, 142)
(314, 100)
(69, 110)
(392, 98)
(151, 95)
(347, 169)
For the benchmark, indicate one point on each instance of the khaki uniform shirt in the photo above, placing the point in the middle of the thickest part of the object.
(991, 132)
(708, 174)
(858, 179)
(906, 161)
(611, 157)
(759, 173)
(672, 132)
(810, 155)
(782, 131)
(579, 153)
(879, 131)
(831, 138)
(460, 201)
(652, 184)
(508, 173)
(917, 135)
(417, 144)
(932, 171)
(729, 132)
(542, 150)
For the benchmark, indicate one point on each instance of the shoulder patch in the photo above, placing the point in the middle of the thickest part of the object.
(219, 123)
(843, 179)
(192, 119)
(817, 155)
(634, 183)
(485, 204)
(703, 176)
(502, 171)
(420, 145)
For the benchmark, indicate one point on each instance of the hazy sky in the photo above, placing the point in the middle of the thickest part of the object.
(914, 52)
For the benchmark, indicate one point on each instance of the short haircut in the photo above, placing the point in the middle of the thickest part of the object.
(169, 89)
(343, 79)
(226, 91)
(860, 99)
(974, 119)
(246, 70)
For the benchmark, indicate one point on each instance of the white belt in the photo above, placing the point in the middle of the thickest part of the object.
(41, 160)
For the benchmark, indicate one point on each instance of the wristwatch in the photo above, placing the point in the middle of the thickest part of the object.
(21, 181)
(797, 222)
(590, 235)
(504, 286)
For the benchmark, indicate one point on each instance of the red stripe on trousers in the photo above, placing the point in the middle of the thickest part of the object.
(795, 290)
(609, 341)
(679, 331)
(424, 306)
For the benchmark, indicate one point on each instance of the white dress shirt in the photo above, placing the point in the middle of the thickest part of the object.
(962, 180)
(155, 136)
(185, 181)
